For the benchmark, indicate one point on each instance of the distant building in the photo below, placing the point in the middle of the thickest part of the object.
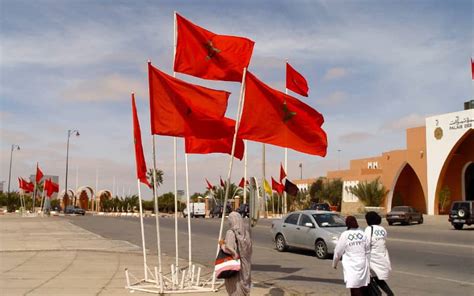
(437, 155)
(304, 184)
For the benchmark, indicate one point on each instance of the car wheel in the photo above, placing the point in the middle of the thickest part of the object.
(390, 223)
(420, 221)
(458, 226)
(280, 243)
(321, 249)
(463, 213)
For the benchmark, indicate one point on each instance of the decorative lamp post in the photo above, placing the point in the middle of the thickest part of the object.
(14, 147)
(69, 133)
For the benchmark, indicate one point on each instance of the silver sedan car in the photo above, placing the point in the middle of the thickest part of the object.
(313, 230)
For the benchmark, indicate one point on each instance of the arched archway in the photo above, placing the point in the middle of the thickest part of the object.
(468, 181)
(407, 190)
(102, 196)
(457, 164)
(85, 194)
(66, 198)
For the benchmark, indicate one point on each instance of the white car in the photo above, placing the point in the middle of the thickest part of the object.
(312, 230)
(198, 209)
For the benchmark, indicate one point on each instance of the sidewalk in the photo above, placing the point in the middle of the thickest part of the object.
(50, 256)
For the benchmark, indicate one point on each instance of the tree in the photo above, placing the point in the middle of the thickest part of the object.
(332, 192)
(159, 178)
(316, 189)
(370, 193)
(444, 198)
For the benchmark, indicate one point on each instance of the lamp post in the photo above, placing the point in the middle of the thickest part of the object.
(69, 133)
(339, 159)
(301, 171)
(14, 147)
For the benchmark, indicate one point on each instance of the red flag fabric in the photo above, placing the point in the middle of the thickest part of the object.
(242, 183)
(50, 187)
(137, 140)
(282, 173)
(472, 69)
(206, 55)
(222, 182)
(270, 116)
(295, 81)
(39, 174)
(194, 145)
(26, 186)
(278, 187)
(182, 109)
(209, 185)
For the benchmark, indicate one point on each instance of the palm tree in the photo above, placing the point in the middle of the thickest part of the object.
(159, 178)
(370, 193)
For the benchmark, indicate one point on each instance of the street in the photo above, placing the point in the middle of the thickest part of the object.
(427, 259)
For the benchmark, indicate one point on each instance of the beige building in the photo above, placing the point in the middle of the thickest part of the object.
(437, 155)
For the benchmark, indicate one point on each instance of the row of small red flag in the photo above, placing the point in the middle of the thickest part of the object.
(182, 109)
(49, 186)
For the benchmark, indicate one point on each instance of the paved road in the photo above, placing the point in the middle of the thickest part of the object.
(428, 259)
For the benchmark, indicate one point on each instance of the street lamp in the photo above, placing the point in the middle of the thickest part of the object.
(14, 147)
(301, 171)
(69, 133)
(339, 159)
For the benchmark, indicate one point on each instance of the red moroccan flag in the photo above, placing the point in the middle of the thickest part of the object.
(204, 54)
(50, 187)
(26, 186)
(209, 185)
(222, 182)
(282, 173)
(39, 174)
(195, 145)
(242, 183)
(182, 109)
(270, 116)
(295, 81)
(278, 187)
(137, 140)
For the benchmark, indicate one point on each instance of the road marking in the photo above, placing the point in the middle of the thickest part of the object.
(435, 277)
(430, 243)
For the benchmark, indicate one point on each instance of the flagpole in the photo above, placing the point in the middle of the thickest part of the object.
(157, 213)
(189, 214)
(142, 230)
(229, 173)
(286, 166)
(175, 160)
(245, 172)
(34, 193)
(265, 208)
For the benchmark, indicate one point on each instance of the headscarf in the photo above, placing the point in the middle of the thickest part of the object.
(373, 218)
(237, 225)
(351, 222)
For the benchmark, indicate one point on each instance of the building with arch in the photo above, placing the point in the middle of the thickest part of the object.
(438, 155)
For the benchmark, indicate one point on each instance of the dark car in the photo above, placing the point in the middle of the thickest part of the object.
(461, 213)
(404, 215)
(217, 211)
(244, 210)
(74, 210)
(319, 207)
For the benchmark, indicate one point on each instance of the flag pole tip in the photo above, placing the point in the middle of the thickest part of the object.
(148, 61)
(132, 93)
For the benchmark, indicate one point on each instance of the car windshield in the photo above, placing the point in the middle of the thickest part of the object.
(400, 209)
(329, 220)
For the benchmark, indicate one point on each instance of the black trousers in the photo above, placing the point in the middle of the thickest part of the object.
(384, 286)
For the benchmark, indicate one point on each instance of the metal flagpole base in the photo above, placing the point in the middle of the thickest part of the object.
(181, 281)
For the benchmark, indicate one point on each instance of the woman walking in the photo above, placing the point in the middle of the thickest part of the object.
(353, 245)
(238, 243)
(378, 255)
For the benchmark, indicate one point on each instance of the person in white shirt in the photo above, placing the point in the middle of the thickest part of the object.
(379, 259)
(353, 245)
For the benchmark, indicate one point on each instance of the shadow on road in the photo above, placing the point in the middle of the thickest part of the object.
(312, 279)
(273, 268)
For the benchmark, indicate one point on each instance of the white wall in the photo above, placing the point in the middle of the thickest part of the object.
(347, 196)
(453, 126)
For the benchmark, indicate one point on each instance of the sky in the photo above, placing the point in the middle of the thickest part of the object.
(375, 68)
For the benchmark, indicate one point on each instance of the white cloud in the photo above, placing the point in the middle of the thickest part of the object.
(114, 87)
(334, 98)
(335, 73)
(401, 124)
